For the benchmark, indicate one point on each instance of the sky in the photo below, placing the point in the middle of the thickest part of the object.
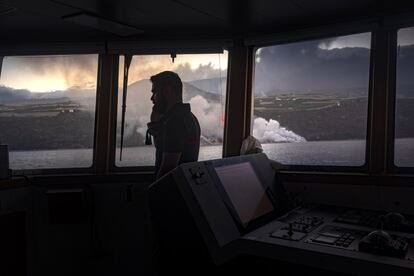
(303, 65)
(49, 73)
(52, 73)
(405, 37)
(359, 40)
(188, 67)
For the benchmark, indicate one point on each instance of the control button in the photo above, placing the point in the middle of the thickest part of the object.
(324, 239)
(331, 234)
(200, 181)
(196, 173)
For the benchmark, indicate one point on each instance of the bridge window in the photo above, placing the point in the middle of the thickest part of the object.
(311, 101)
(404, 108)
(204, 78)
(47, 110)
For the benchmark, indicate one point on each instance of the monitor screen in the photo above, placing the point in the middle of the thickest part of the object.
(247, 195)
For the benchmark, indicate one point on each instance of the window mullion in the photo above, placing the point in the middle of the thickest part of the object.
(107, 75)
(377, 129)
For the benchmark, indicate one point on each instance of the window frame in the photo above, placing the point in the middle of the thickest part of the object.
(391, 123)
(193, 48)
(372, 169)
(41, 50)
(322, 34)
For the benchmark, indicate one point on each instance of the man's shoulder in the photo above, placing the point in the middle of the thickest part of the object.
(182, 122)
(179, 115)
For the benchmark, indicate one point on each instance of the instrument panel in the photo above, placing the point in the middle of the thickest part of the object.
(373, 232)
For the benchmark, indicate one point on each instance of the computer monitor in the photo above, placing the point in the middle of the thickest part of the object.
(247, 199)
(201, 208)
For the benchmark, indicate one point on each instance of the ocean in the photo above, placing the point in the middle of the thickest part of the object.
(324, 153)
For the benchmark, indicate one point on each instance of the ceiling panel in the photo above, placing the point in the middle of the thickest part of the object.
(23, 26)
(267, 14)
(215, 8)
(42, 19)
(154, 15)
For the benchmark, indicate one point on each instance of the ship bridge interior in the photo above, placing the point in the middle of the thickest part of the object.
(324, 88)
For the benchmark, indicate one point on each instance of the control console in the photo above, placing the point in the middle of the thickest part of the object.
(392, 221)
(232, 206)
(352, 229)
(337, 236)
(298, 228)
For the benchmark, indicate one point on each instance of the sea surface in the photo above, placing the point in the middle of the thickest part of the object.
(324, 153)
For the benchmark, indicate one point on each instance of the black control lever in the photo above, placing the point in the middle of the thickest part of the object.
(290, 232)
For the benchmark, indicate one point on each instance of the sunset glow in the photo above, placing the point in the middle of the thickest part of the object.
(35, 83)
(187, 66)
(52, 73)
(42, 74)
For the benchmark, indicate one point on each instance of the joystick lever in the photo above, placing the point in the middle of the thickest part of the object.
(290, 232)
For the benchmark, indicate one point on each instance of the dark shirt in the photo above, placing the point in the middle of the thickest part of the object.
(177, 131)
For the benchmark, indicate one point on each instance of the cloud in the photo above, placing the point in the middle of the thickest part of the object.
(271, 132)
(80, 73)
(304, 66)
(209, 116)
(362, 40)
(345, 53)
(50, 73)
(143, 67)
(139, 106)
(201, 72)
(406, 36)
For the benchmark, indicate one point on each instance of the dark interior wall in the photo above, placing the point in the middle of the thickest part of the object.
(13, 244)
(102, 230)
(61, 247)
(14, 239)
(123, 237)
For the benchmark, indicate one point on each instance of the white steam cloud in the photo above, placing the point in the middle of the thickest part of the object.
(206, 71)
(271, 132)
(209, 116)
(139, 106)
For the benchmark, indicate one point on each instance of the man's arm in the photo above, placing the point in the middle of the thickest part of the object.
(169, 161)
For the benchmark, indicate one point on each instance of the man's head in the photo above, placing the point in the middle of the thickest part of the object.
(167, 90)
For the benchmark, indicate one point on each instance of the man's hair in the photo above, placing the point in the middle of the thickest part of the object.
(169, 79)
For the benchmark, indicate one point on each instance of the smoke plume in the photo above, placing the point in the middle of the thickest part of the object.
(209, 116)
(271, 132)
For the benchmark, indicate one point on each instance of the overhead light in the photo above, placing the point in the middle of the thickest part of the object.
(102, 24)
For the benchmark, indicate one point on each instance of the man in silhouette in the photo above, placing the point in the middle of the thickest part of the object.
(175, 129)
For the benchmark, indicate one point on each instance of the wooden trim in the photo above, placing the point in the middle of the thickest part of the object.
(249, 91)
(108, 74)
(13, 183)
(235, 119)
